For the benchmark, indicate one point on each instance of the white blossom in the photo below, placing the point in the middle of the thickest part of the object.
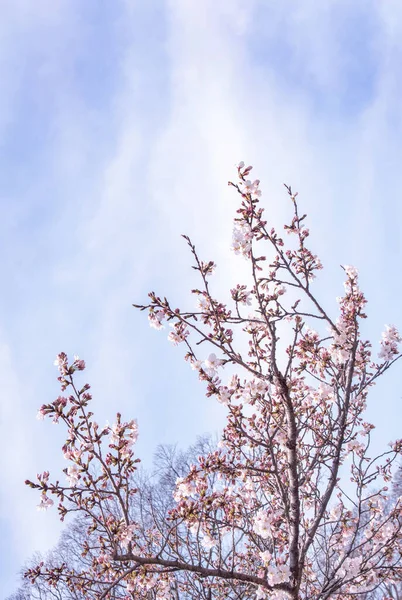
(73, 475)
(211, 364)
(241, 239)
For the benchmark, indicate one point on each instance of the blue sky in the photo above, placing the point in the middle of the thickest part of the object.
(120, 125)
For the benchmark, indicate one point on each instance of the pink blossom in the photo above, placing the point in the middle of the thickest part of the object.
(45, 502)
(196, 365)
(61, 363)
(262, 524)
(155, 319)
(389, 343)
(44, 477)
(115, 433)
(336, 512)
(356, 446)
(253, 389)
(203, 303)
(350, 567)
(175, 338)
(103, 558)
(241, 239)
(79, 364)
(212, 363)
(183, 489)
(224, 395)
(351, 272)
(179, 335)
(125, 535)
(246, 300)
(266, 557)
(132, 428)
(40, 415)
(278, 574)
(251, 187)
(124, 436)
(73, 475)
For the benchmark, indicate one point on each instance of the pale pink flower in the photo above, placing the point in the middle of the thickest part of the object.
(179, 335)
(356, 446)
(79, 364)
(124, 435)
(115, 433)
(241, 239)
(224, 395)
(246, 300)
(212, 363)
(61, 363)
(262, 524)
(175, 338)
(40, 415)
(391, 334)
(390, 339)
(251, 187)
(183, 489)
(45, 502)
(253, 389)
(336, 512)
(351, 272)
(196, 365)
(103, 558)
(155, 319)
(266, 557)
(278, 574)
(339, 355)
(248, 492)
(203, 303)
(132, 434)
(350, 567)
(126, 535)
(73, 475)
(44, 477)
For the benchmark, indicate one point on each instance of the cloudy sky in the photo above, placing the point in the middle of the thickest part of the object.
(120, 125)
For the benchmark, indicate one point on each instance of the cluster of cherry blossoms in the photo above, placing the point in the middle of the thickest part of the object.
(322, 404)
(265, 513)
(83, 445)
(389, 343)
(242, 238)
(242, 232)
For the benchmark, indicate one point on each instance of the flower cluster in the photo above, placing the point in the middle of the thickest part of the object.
(156, 318)
(263, 524)
(265, 513)
(179, 333)
(242, 238)
(389, 343)
(123, 436)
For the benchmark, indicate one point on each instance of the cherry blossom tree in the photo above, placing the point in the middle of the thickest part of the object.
(291, 504)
